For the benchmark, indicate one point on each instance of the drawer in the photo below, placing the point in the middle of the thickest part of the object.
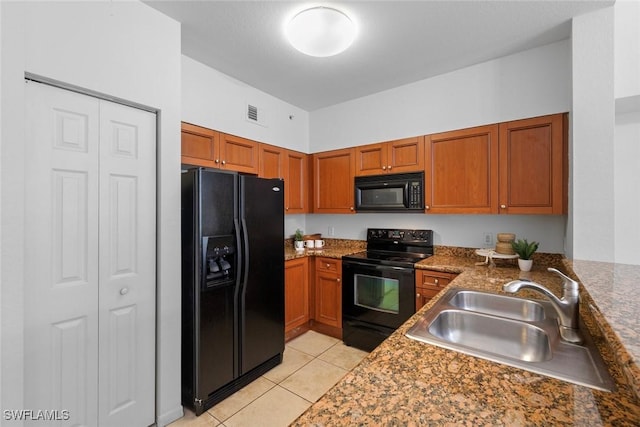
(433, 280)
(329, 265)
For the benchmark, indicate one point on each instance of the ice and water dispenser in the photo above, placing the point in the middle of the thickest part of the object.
(219, 260)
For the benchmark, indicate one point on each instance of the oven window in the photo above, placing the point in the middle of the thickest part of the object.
(377, 293)
(392, 196)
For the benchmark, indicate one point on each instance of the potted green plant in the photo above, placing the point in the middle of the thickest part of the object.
(297, 240)
(525, 251)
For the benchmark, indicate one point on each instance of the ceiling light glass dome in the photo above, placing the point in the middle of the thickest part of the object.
(321, 31)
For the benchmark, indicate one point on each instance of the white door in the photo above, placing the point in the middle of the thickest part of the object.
(90, 250)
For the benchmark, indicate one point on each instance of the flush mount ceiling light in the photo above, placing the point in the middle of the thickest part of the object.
(321, 31)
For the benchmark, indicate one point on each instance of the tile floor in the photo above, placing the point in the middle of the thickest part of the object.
(311, 365)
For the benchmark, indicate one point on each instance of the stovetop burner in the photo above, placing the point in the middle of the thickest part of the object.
(395, 247)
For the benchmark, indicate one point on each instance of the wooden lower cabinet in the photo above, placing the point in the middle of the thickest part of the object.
(429, 283)
(296, 297)
(327, 317)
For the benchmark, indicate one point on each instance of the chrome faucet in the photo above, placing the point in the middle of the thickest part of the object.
(567, 307)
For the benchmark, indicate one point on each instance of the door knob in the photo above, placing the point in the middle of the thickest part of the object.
(124, 291)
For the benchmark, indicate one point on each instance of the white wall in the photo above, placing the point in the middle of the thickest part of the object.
(450, 230)
(527, 84)
(215, 100)
(627, 131)
(124, 49)
(592, 209)
(627, 188)
(627, 48)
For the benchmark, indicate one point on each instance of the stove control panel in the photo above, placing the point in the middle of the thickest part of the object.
(400, 235)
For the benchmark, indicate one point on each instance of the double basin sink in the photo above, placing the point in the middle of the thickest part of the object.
(512, 331)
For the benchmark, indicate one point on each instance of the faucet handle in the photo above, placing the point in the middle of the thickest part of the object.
(569, 286)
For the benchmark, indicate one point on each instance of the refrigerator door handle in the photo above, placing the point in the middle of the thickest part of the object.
(245, 254)
(239, 257)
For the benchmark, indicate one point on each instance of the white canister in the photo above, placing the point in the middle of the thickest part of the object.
(309, 244)
(319, 243)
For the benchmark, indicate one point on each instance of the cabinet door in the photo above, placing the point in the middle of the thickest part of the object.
(370, 159)
(272, 161)
(296, 293)
(333, 181)
(238, 154)
(405, 155)
(297, 187)
(429, 284)
(328, 284)
(533, 155)
(200, 146)
(462, 171)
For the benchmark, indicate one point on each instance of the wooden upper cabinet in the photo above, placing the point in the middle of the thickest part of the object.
(200, 146)
(238, 154)
(462, 171)
(533, 165)
(297, 187)
(211, 149)
(333, 181)
(272, 161)
(400, 156)
(293, 168)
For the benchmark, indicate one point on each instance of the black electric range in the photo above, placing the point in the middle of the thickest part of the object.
(378, 285)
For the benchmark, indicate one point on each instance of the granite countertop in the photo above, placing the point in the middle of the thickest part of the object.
(405, 382)
(334, 248)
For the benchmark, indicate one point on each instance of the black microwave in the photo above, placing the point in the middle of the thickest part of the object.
(390, 193)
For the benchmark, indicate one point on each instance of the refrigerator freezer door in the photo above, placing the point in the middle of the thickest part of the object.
(262, 320)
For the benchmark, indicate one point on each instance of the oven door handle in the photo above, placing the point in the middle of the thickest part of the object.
(378, 267)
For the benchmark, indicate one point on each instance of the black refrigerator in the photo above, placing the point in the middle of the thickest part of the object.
(232, 282)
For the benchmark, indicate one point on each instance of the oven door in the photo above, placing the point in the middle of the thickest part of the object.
(377, 294)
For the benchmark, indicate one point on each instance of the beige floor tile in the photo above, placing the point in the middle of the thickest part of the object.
(313, 379)
(313, 343)
(190, 420)
(343, 356)
(276, 408)
(292, 360)
(240, 399)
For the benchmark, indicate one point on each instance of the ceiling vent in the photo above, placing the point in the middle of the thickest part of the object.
(255, 115)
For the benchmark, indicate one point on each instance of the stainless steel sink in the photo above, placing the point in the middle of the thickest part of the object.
(512, 331)
(517, 340)
(499, 305)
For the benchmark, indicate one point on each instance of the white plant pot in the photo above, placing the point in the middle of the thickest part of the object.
(299, 245)
(525, 264)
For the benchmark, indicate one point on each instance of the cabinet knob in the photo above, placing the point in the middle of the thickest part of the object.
(435, 281)
(338, 280)
(287, 208)
(217, 160)
(124, 291)
(503, 206)
(327, 265)
(224, 162)
(389, 167)
(384, 168)
(418, 295)
(427, 207)
(351, 208)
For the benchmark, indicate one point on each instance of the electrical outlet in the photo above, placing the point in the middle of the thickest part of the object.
(488, 239)
(331, 231)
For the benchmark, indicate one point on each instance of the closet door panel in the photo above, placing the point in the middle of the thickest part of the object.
(127, 265)
(61, 261)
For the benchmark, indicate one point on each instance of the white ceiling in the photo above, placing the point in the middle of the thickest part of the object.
(399, 42)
